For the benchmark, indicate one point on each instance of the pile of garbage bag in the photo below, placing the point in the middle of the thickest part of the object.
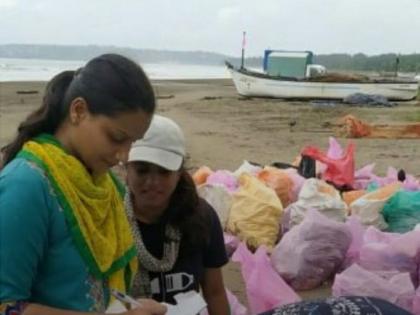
(318, 220)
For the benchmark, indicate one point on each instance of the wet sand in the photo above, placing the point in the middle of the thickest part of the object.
(223, 129)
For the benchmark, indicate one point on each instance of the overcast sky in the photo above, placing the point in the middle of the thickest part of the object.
(323, 26)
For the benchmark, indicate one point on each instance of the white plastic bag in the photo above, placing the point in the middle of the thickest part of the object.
(219, 198)
(247, 167)
(317, 194)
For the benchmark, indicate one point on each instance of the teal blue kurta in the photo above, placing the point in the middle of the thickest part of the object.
(39, 262)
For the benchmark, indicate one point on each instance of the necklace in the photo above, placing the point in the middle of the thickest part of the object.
(147, 262)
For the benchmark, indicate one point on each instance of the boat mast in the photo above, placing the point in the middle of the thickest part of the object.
(397, 65)
(243, 49)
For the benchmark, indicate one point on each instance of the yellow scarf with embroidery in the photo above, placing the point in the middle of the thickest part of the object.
(94, 211)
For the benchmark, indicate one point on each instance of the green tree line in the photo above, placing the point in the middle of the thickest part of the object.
(357, 62)
(362, 62)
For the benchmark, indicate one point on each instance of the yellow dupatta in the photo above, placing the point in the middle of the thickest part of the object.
(94, 211)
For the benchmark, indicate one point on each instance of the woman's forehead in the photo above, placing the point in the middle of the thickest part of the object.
(145, 164)
(133, 124)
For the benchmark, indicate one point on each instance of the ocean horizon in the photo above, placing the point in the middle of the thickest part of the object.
(13, 69)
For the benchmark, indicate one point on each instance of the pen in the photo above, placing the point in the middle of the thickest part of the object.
(124, 298)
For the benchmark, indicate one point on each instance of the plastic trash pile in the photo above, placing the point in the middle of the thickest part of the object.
(296, 226)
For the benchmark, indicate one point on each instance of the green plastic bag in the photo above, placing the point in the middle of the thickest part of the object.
(402, 211)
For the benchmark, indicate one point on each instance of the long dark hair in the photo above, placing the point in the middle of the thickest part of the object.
(188, 213)
(110, 84)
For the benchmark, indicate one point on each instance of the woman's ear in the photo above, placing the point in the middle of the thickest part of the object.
(78, 110)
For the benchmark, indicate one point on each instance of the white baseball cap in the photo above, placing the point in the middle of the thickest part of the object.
(163, 144)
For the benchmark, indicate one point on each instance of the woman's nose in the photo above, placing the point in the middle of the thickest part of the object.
(152, 178)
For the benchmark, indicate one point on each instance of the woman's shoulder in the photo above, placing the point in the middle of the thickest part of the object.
(205, 208)
(23, 180)
(22, 171)
(24, 192)
(208, 212)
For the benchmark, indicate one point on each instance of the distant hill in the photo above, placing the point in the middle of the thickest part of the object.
(357, 62)
(59, 52)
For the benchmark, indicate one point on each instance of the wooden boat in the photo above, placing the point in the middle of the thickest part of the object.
(254, 84)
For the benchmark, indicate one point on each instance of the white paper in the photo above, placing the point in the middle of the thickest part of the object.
(188, 303)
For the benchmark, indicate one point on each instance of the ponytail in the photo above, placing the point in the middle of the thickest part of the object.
(45, 119)
(110, 84)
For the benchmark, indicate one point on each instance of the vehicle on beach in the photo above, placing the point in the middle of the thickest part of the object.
(292, 75)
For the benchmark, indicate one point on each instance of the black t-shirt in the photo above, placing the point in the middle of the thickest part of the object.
(190, 265)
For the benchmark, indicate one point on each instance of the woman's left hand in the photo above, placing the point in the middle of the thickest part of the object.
(147, 307)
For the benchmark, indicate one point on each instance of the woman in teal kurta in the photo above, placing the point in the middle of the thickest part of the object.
(43, 262)
(54, 176)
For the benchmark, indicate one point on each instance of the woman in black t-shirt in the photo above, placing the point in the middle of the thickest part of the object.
(178, 235)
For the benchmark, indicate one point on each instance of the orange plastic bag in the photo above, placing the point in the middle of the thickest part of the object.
(385, 192)
(339, 171)
(279, 181)
(200, 176)
(368, 208)
(351, 127)
(350, 196)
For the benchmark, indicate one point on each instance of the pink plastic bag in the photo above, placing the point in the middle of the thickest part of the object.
(236, 308)
(391, 177)
(364, 176)
(410, 183)
(312, 251)
(335, 151)
(231, 243)
(416, 302)
(225, 178)
(357, 231)
(265, 288)
(390, 252)
(356, 280)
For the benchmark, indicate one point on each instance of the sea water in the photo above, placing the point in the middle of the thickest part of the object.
(44, 70)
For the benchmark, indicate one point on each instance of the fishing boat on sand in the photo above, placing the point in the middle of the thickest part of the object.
(291, 75)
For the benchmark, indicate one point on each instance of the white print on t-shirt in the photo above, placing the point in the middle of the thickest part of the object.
(173, 282)
(154, 286)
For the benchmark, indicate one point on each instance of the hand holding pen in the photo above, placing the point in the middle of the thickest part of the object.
(141, 307)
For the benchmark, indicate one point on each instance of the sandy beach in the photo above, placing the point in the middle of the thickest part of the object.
(223, 129)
